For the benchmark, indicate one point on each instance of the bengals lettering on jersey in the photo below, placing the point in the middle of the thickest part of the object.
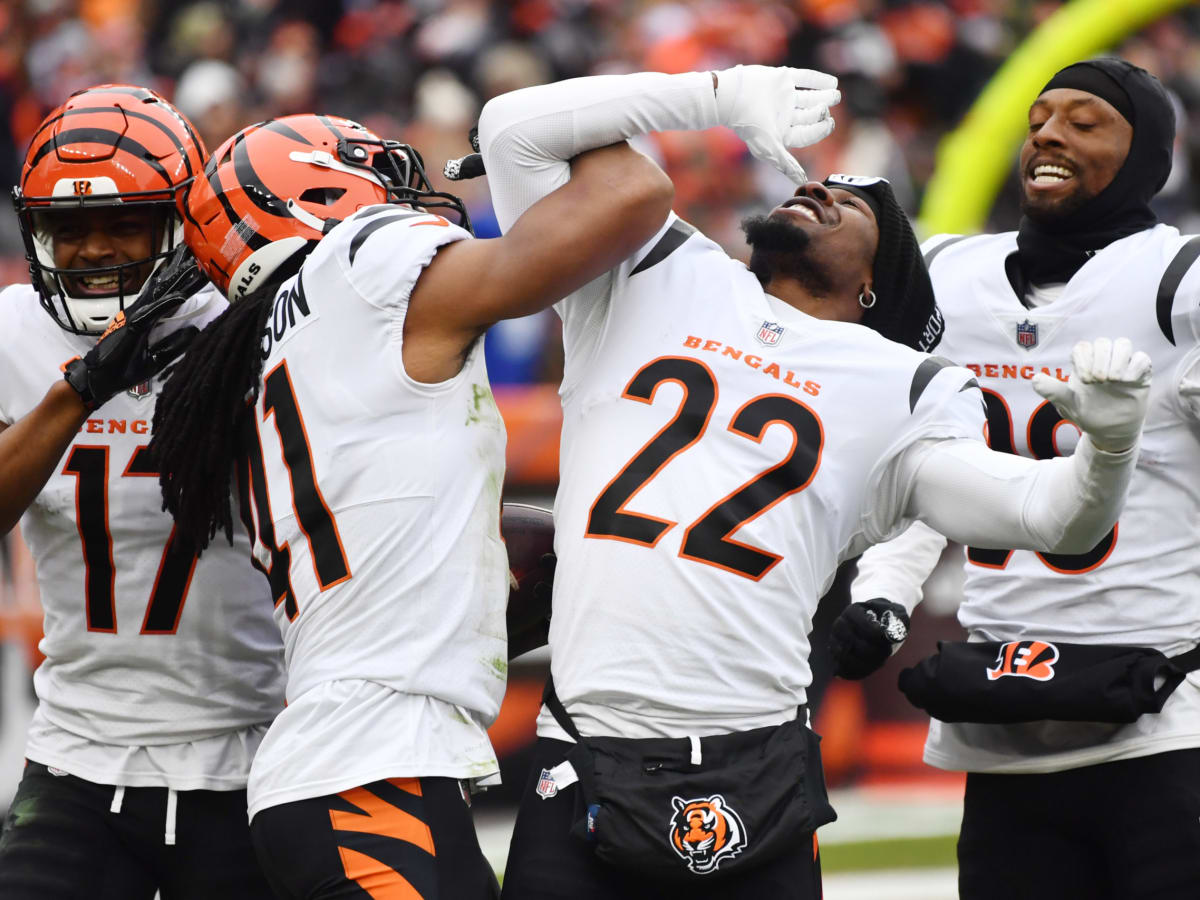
(717, 464)
(133, 627)
(1140, 585)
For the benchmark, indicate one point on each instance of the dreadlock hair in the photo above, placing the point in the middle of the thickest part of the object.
(200, 414)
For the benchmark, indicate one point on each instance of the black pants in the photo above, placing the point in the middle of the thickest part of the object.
(546, 862)
(400, 837)
(61, 842)
(1125, 830)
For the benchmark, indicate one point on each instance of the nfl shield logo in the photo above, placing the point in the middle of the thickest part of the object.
(138, 391)
(769, 333)
(1027, 334)
(546, 786)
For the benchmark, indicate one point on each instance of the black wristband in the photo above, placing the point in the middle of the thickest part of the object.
(76, 374)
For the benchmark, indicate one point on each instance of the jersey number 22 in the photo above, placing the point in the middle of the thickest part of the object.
(709, 539)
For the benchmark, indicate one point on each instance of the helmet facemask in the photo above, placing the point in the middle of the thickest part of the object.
(62, 289)
(108, 150)
(401, 170)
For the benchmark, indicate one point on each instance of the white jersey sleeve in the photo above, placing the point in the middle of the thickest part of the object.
(388, 249)
(945, 405)
(897, 570)
(528, 137)
(374, 501)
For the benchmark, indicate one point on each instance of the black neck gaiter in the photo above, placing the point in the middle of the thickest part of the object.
(1051, 252)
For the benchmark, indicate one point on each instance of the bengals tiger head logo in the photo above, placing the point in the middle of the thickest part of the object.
(1027, 659)
(706, 832)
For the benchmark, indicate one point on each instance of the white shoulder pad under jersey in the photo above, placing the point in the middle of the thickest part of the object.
(722, 452)
(143, 644)
(1142, 287)
(375, 499)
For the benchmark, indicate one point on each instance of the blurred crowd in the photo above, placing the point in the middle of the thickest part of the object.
(420, 70)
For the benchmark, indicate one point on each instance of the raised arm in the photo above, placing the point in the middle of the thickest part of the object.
(125, 355)
(528, 136)
(987, 499)
(614, 202)
(574, 200)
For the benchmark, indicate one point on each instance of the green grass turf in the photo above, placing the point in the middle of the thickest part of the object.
(896, 853)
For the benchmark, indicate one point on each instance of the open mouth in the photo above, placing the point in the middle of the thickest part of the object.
(806, 208)
(1047, 176)
(95, 285)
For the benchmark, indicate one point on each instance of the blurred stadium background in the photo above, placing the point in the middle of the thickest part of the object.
(419, 70)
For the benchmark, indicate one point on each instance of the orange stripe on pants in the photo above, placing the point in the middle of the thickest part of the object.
(380, 817)
(411, 785)
(379, 881)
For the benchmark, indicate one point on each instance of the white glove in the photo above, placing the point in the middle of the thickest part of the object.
(1107, 394)
(773, 108)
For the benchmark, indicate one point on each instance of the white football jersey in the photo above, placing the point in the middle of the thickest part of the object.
(375, 503)
(722, 452)
(145, 646)
(1141, 585)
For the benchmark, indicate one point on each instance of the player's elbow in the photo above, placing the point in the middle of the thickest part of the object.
(498, 115)
(653, 193)
(643, 195)
(1082, 539)
(625, 196)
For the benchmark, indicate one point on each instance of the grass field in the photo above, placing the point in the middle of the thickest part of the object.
(898, 853)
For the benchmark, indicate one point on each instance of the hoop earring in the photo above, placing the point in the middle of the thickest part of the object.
(864, 302)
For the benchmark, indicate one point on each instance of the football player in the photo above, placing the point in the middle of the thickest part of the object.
(1107, 810)
(346, 388)
(731, 434)
(161, 671)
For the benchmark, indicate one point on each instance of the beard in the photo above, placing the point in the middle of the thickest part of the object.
(779, 248)
(1057, 210)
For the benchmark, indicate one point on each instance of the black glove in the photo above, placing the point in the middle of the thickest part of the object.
(469, 166)
(865, 635)
(124, 355)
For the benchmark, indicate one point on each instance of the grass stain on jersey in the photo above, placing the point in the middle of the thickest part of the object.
(499, 666)
(481, 769)
(483, 404)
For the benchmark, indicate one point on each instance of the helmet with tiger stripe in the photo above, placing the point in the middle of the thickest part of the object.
(274, 189)
(117, 148)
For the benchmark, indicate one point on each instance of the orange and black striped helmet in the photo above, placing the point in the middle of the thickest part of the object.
(274, 189)
(110, 146)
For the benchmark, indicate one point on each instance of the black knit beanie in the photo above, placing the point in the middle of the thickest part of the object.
(905, 309)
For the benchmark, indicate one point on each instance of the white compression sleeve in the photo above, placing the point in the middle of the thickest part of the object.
(987, 499)
(897, 569)
(528, 137)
